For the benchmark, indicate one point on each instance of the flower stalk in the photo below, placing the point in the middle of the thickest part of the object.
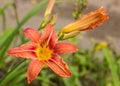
(47, 16)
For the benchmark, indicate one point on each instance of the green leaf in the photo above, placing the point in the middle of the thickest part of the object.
(4, 36)
(17, 80)
(112, 65)
(3, 41)
(9, 76)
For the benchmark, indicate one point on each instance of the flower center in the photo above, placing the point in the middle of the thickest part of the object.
(43, 52)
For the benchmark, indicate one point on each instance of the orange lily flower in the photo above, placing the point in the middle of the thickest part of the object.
(44, 49)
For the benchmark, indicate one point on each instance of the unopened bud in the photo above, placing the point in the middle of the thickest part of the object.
(87, 22)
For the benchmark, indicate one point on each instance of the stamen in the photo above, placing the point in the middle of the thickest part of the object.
(43, 52)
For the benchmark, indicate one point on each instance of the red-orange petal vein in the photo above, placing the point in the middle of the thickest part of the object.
(33, 70)
(24, 51)
(58, 66)
(53, 39)
(47, 32)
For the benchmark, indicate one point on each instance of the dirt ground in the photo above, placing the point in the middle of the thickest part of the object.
(110, 29)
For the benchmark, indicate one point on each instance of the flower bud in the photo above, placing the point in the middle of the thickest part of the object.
(87, 22)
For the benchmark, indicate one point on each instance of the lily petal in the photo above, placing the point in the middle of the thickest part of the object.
(25, 51)
(47, 33)
(32, 34)
(58, 66)
(33, 70)
(62, 48)
(53, 39)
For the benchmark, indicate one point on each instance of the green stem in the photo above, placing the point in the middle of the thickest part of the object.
(3, 21)
(16, 13)
(5, 7)
(112, 65)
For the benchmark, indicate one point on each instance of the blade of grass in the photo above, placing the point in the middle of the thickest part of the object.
(4, 36)
(10, 74)
(112, 65)
(17, 80)
(34, 11)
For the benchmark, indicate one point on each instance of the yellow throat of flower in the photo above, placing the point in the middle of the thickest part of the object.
(43, 52)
